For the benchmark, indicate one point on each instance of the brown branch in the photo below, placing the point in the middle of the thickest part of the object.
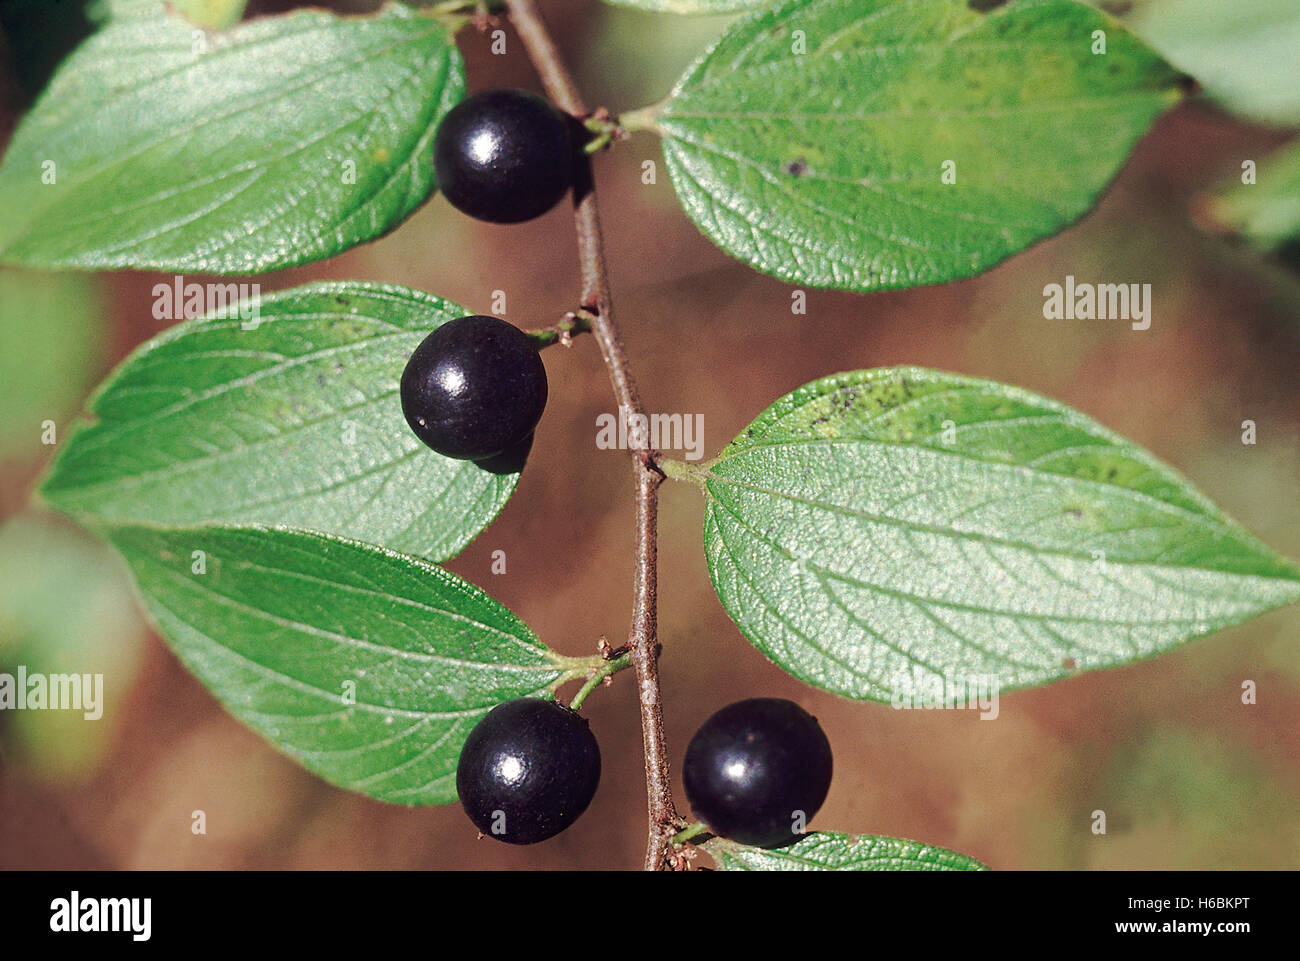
(643, 638)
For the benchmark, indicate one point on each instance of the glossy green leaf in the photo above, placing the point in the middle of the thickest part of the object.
(829, 851)
(826, 167)
(281, 141)
(368, 667)
(694, 6)
(879, 533)
(296, 421)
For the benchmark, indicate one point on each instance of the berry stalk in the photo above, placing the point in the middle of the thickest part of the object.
(642, 640)
(601, 675)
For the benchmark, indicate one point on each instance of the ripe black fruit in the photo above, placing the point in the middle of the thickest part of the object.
(474, 388)
(503, 156)
(528, 770)
(757, 770)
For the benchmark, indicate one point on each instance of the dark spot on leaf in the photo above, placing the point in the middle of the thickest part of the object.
(1110, 474)
(1074, 512)
(1069, 664)
(984, 6)
(1116, 8)
(796, 168)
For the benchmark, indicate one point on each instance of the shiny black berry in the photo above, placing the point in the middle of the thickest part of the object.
(474, 388)
(528, 770)
(503, 156)
(757, 771)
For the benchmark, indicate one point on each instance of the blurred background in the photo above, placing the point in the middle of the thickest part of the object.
(1188, 776)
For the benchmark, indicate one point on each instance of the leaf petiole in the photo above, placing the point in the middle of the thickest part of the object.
(678, 470)
(643, 118)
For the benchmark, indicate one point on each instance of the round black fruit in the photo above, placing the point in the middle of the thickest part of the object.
(474, 388)
(528, 770)
(503, 156)
(757, 771)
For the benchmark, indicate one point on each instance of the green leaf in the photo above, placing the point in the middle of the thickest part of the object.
(53, 332)
(825, 167)
(284, 625)
(294, 422)
(828, 851)
(1266, 212)
(1243, 53)
(281, 141)
(878, 532)
(693, 6)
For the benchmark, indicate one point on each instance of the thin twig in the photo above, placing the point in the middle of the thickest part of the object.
(642, 639)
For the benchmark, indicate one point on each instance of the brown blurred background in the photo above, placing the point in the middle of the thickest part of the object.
(1187, 775)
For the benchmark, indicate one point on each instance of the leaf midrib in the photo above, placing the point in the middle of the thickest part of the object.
(786, 186)
(527, 643)
(289, 681)
(921, 600)
(1212, 524)
(245, 381)
(974, 114)
(180, 467)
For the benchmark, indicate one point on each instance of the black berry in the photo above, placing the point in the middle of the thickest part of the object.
(757, 771)
(504, 156)
(528, 770)
(474, 388)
